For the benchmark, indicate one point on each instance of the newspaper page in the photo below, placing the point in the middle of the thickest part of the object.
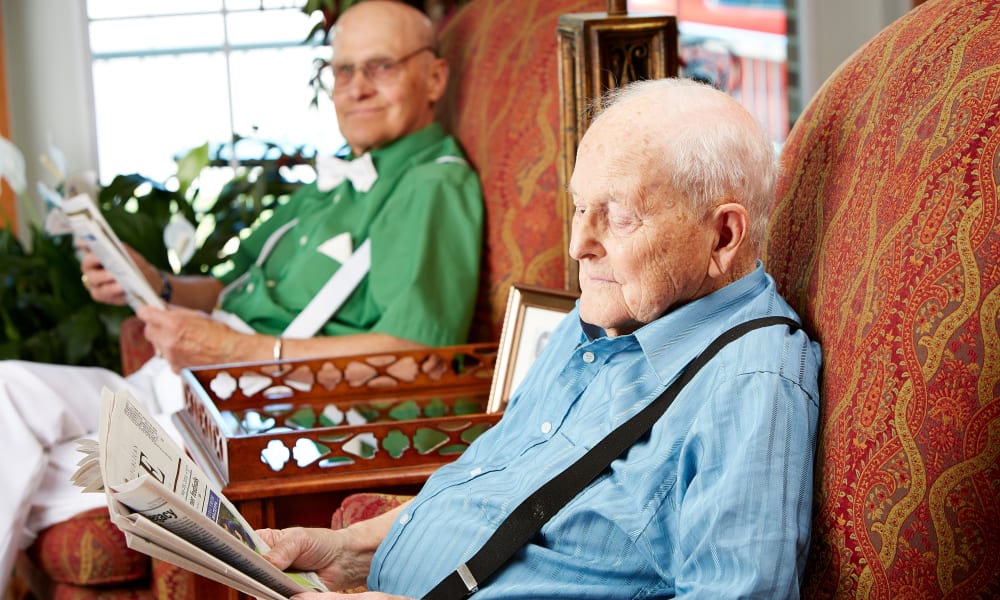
(165, 504)
(90, 227)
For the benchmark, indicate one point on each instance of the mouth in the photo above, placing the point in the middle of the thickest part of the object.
(597, 280)
(363, 111)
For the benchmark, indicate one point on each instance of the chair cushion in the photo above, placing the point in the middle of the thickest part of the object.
(88, 549)
(363, 506)
(504, 76)
(135, 348)
(169, 581)
(886, 239)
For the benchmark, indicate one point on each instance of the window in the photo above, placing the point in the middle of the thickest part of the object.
(739, 46)
(170, 75)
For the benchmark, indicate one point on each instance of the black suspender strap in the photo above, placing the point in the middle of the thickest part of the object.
(529, 516)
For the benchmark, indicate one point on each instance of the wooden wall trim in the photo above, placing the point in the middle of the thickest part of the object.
(8, 210)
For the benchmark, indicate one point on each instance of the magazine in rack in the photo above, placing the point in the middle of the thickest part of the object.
(166, 507)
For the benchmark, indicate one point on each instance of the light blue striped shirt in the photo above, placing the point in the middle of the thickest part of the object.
(714, 503)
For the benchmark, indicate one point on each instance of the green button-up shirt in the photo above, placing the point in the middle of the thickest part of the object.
(424, 216)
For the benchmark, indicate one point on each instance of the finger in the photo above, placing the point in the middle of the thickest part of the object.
(90, 262)
(281, 555)
(151, 314)
(270, 536)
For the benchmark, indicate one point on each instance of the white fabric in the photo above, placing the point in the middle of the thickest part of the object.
(332, 171)
(325, 303)
(332, 295)
(43, 409)
(339, 247)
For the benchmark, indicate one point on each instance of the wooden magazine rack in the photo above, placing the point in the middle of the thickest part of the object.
(371, 418)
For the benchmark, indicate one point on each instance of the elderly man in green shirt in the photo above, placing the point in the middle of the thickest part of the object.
(405, 196)
(422, 214)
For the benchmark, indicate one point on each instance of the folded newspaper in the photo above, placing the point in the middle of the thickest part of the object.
(90, 227)
(166, 507)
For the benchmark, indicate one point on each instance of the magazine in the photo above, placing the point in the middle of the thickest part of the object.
(90, 227)
(167, 508)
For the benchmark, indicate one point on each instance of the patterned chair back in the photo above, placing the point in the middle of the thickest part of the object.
(886, 238)
(503, 105)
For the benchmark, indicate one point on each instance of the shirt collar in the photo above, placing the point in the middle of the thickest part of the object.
(396, 154)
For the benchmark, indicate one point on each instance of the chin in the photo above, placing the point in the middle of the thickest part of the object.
(594, 317)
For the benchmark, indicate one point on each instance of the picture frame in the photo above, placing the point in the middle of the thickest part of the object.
(531, 315)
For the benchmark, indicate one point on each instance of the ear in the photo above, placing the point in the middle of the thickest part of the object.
(731, 225)
(437, 79)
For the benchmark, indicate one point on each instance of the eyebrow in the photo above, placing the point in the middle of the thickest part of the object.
(362, 61)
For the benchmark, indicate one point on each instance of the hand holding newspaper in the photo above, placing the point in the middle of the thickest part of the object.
(166, 507)
(90, 227)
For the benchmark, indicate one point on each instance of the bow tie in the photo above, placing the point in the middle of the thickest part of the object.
(332, 171)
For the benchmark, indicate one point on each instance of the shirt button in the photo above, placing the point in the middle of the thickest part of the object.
(271, 283)
(404, 518)
(250, 288)
(475, 472)
(546, 427)
(303, 240)
(588, 357)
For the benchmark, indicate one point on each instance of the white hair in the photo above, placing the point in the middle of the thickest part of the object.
(711, 159)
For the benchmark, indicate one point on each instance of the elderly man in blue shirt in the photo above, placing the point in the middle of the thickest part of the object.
(671, 189)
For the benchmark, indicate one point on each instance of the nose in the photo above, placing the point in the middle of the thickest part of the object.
(584, 241)
(359, 86)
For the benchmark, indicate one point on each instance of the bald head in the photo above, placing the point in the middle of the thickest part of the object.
(387, 75)
(414, 27)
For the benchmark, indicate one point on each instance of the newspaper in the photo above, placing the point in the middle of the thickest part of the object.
(167, 508)
(90, 227)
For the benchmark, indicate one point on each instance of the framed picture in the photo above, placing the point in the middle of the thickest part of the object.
(532, 314)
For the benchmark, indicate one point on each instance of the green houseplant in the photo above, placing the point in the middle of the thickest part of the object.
(45, 312)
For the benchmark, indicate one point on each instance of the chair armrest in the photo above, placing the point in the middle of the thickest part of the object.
(363, 506)
(135, 348)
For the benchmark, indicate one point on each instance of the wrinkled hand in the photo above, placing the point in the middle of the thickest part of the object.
(328, 552)
(188, 338)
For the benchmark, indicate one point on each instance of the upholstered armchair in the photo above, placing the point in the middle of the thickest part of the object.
(886, 239)
(504, 106)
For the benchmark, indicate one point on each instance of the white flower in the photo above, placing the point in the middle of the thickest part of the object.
(178, 237)
(56, 221)
(12, 166)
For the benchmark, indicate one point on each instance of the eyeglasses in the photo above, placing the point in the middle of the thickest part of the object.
(377, 70)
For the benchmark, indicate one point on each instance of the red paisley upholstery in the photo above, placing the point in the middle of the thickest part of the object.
(504, 78)
(171, 582)
(135, 348)
(886, 238)
(363, 506)
(88, 551)
(85, 557)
